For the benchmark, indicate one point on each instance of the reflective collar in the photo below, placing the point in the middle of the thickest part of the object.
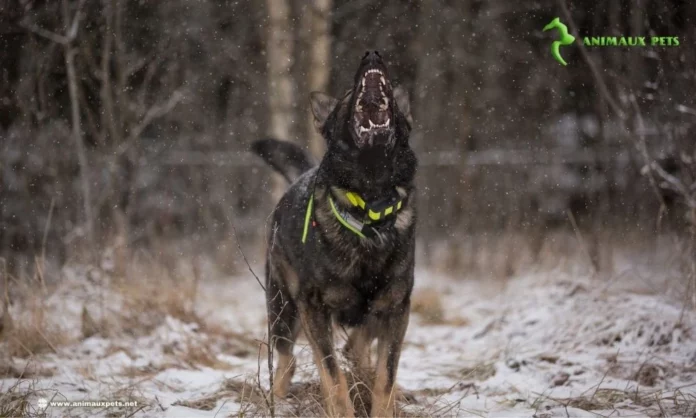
(376, 215)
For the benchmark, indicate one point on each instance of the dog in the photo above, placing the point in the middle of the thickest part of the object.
(342, 238)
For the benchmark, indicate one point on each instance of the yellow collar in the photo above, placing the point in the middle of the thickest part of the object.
(375, 213)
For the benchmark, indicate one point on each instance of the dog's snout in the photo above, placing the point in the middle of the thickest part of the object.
(372, 56)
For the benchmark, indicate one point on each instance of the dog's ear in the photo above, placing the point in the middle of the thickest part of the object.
(403, 102)
(322, 105)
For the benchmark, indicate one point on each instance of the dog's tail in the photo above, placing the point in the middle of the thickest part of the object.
(285, 157)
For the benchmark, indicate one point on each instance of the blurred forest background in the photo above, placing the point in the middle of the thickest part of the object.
(127, 123)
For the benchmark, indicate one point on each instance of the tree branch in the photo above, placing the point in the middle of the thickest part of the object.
(51, 36)
(604, 92)
(155, 112)
(603, 89)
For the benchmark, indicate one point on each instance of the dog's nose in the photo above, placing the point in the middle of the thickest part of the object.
(372, 56)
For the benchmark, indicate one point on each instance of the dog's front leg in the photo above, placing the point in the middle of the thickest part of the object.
(316, 323)
(389, 345)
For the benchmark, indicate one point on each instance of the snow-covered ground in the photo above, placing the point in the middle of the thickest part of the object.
(538, 344)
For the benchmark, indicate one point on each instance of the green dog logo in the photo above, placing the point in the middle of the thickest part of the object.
(566, 39)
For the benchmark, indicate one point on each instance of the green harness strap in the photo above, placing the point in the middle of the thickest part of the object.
(343, 221)
(307, 217)
(374, 213)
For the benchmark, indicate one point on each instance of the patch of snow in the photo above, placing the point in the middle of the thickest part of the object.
(519, 347)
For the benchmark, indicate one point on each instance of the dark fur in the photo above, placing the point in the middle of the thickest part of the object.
(336, 275)
(286, 158)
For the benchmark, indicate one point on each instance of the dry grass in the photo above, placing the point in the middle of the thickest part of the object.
(304, 398)
(602, 399)
(594, 250)
(15, 400)
(198, 354)
(497, 255)
(149, 370)
(228, 341)
(33, 333)
(132, 305)
(428, 304)
(152, 293)
(479, 372)
(149, 293)
(246, 393)
(657, 403)
(147, 303)
(9, 369)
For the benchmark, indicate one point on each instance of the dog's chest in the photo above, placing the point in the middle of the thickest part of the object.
(351, 261)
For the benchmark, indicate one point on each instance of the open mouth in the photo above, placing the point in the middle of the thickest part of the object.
(372, 116)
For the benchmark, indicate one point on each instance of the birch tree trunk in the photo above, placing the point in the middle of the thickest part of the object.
(430, 88)
(70, 51)
(318, 27)
(79, 143)
(281, 94)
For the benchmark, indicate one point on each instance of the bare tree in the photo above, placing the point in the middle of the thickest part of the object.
(318, 28)
(144, 83)
(67, 41)
(281, 90)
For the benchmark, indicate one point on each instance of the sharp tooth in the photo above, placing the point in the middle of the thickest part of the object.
(372, 125)
(382, 80)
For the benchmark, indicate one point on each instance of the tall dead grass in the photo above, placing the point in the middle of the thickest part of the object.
(30, 333)
(132, 297)
(601, 253)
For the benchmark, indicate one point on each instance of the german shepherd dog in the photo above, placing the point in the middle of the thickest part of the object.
(341, 246)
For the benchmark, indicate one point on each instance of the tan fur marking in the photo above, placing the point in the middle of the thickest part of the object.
(357, 349)
(291, 279)
(282, 270)
(283, 375)
(404, 219)
(388, 353)
(382, 396)
(336, 397)
(335, 392)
